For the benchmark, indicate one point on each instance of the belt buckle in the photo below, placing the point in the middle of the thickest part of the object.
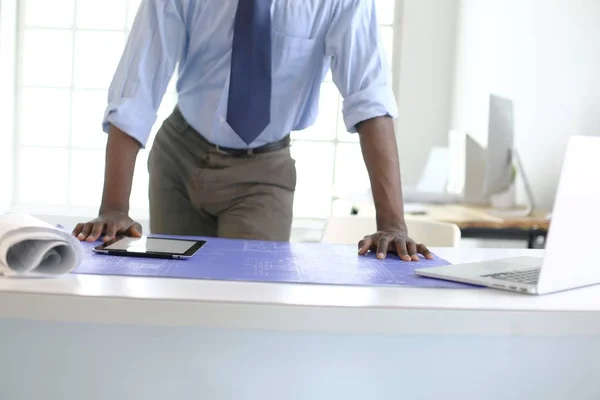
(248, 153)
(218, 149)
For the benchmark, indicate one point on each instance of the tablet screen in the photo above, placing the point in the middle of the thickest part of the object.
(152, 245)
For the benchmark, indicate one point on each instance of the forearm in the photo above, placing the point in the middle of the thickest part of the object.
(121, 153)
(380, 153)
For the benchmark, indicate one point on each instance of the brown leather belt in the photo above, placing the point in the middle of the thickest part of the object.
(267, 148)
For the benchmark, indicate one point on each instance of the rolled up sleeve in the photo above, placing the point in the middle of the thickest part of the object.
(152, 51)
(359, 65)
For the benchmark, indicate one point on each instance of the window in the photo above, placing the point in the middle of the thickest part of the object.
(67, 53)
(341, 170)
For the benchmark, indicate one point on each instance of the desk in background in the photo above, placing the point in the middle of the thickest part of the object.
(477, 223)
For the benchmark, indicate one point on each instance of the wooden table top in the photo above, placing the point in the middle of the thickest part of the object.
(466, 217)
(481, 217)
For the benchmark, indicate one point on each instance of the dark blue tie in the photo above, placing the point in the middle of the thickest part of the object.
(249, 105)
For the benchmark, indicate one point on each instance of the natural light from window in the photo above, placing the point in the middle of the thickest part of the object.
(68, 52)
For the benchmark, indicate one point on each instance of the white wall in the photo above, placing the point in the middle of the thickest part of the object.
(545, 56)
(423, 86)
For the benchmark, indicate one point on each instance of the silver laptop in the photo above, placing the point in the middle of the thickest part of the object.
(570, 259)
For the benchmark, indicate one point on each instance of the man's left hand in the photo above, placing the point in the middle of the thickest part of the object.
(395, 240)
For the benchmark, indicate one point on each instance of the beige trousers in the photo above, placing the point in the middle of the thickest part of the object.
(196, 190)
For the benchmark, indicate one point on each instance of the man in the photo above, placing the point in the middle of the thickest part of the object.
(249, 74)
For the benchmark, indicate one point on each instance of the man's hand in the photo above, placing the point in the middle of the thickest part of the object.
(395, 240)
(109, 224)
(113, 219)
(380, 152)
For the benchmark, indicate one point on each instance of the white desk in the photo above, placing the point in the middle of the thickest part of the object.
(146, 338)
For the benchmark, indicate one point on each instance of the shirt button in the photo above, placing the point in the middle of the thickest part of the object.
(222, 119)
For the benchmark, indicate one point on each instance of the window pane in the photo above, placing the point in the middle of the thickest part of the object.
(387, 36)
(132, 9)
(87, 177)
(314, 166)
(43, 176)
(167, 105)
(385, 11)
(44, 117)
(47, 57)
(139, 190)
(344, 136)
(341, 207)
(342, 132)
(97, 55)
(326, 124)
(172, 87)
(45, 13)
(88, 111)
(350, 172)
(101, 14)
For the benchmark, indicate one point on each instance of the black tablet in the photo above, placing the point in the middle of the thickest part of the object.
(151, 247)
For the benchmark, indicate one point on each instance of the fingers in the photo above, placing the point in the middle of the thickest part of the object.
(365, 245)
(382, 247)
(77, 230)
(407, 250)
(109, 225)
(111, 232)
(96, 232)
(402, 250)
(85, 230)
(422, 249)
(135, 230)
(412, 250)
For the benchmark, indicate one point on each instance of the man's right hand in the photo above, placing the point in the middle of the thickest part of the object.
(108, 225)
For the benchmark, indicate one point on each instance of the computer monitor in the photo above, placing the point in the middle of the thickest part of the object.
(499, 171)
(502, 159)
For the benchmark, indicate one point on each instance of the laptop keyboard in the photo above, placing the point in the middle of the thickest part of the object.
(526, 276)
